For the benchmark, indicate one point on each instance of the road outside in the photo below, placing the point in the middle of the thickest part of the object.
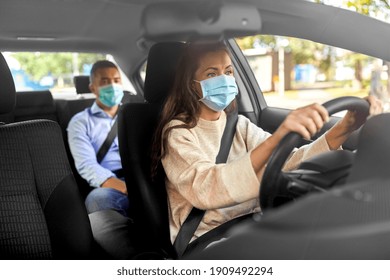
(293, 99)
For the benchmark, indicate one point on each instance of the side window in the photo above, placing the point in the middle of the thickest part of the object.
(294, 72)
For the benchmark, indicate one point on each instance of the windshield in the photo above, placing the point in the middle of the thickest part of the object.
(293, 72)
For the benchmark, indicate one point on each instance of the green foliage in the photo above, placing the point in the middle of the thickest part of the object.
(303, 51)
(89, 58)
(265, 41)
(369, 7)
(374, 8)
(38, 65)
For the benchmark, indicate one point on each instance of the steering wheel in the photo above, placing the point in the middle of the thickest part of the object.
(274, 182)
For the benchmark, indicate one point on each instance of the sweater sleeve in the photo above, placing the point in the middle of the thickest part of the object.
(203, 183)
(305, 152)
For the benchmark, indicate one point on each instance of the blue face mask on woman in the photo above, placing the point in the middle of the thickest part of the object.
(218, 92)
(111, 95)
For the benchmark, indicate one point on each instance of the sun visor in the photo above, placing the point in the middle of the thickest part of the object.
(192, 20)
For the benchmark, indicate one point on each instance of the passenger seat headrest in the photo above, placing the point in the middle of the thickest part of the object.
(7, 88)
(81, 84)
(160, 71)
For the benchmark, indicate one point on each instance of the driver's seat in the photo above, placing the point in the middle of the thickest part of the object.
(136, 126)
(148, 198)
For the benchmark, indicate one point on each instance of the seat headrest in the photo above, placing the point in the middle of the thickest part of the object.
(7, 88)
(160, 71)
(81, 84)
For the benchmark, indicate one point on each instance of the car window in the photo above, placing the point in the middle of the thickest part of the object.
(34, 71)
(294, 72)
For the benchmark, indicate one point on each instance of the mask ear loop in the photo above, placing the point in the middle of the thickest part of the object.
(200, 96)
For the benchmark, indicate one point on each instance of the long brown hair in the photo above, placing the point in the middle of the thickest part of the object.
(182, 102)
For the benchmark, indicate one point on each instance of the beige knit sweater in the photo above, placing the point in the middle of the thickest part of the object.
(226, 190)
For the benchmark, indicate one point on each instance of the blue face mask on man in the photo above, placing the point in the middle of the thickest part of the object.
(218, 92)
(111, 95)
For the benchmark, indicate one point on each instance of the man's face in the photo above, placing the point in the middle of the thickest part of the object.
(103, 77)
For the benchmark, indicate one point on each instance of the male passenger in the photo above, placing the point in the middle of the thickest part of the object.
(88, 130)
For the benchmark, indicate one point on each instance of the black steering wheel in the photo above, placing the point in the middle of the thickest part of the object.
(274, 183)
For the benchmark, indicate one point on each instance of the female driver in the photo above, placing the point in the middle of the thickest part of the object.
(190, 129)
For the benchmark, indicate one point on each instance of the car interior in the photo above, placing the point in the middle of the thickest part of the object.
(137, 122)
(43, 215)
(347, 223)
(333, 206)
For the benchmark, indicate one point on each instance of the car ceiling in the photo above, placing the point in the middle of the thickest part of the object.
(114, 26)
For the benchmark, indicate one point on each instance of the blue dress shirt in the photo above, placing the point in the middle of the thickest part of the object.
(87, 131)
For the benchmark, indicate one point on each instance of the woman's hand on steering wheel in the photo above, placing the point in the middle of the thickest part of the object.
(306, 121)
(273, 182)
(351, 121)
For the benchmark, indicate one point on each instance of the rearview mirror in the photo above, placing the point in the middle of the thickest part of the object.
(210, 20)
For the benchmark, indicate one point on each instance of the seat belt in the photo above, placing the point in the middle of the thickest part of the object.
(193, 220)
(107, 142)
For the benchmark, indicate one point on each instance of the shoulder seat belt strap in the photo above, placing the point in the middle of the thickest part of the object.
(107, 142)
(193, 220)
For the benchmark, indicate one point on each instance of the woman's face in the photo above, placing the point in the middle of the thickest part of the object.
(211, 65)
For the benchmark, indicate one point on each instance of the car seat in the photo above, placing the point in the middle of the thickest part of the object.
(42, 215)
(81, 83)
(136, 126)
